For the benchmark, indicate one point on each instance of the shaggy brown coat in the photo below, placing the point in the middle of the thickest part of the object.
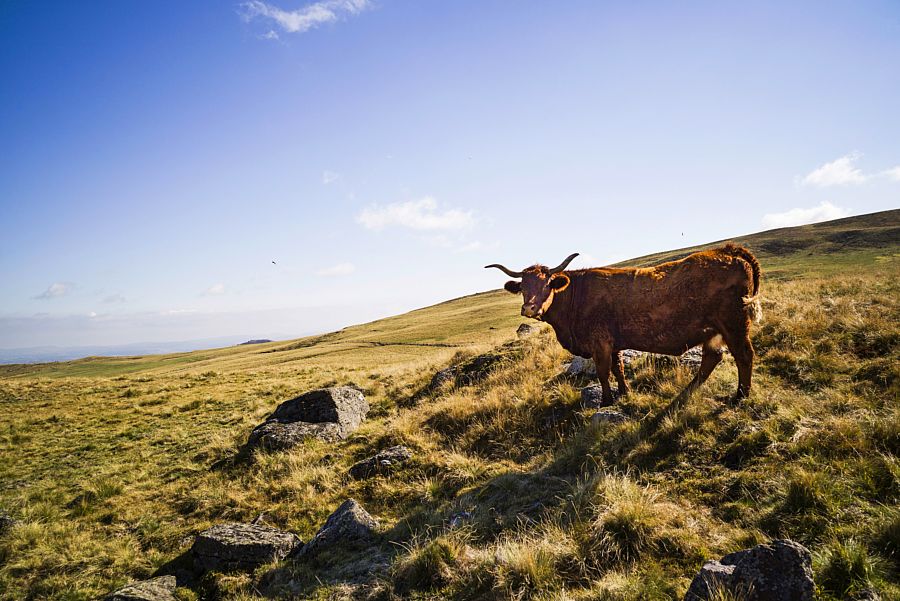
(707, 298)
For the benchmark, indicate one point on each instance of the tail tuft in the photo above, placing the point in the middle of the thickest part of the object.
(754, 308)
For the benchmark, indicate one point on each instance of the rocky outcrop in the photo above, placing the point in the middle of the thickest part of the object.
(241, 547)
(579, 366)
(349, 525)
(382, 462)
(6, 522)
(471, 372)
(778, 571)
(327, 414)
(608, 416)
(161, 588)
(527, 329)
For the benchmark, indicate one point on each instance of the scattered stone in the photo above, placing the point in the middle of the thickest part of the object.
(6, 522)
(327, 414)
(629, 356)
(527, 329)
(778, 571)
(608, 416)
(579, 366)
(382, 463)
(592, 395)
(241, 547)
(460, 518)
(867, 594)
(350, 524)
(692, 357)
(161, 588)
(443, 376)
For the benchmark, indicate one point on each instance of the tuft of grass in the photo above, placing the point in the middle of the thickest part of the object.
(843, 567)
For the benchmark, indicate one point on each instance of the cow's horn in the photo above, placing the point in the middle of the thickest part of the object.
(512, 274)
(564, 264)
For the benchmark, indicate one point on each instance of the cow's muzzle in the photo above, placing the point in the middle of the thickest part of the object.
(531, 311)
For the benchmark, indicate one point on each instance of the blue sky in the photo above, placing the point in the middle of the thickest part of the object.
(155, 158)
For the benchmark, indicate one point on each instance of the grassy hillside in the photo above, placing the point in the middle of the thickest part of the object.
(110, 465)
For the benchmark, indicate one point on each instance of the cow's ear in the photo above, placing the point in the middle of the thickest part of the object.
(513, 286)
(559, 282)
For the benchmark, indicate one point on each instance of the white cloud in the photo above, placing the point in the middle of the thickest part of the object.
(55, 290)
(270, 35)
(92, 314)
(215, 290)
(337, 270)
(329, 177)
(415, 214)
(892, 173)
(799, 216)
(306, 17)
(839, 172)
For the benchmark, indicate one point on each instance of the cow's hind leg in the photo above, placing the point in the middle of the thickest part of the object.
(603, 360)
(711, 357)
(619, 373)
(742, 350)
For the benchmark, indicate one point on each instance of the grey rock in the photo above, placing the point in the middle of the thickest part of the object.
(241, 547)
(778, 571)
(6, 522)
(471, 372)
(527, 329)
(460, 518)
(382, 462)
(161, 588)
(350, 524)
(442, 377)
(592, 395)
(276, 436)
(692, 357)
(343, 405)
(327, 414)
(866, 595)
(629, 356)
(579, 366)
(608, 416)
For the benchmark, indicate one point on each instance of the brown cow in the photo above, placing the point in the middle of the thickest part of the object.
(707, 298)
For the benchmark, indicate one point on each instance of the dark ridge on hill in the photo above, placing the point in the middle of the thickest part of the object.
(255, 341)
(862, 232)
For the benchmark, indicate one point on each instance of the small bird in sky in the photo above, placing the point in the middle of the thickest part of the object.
(274, 263)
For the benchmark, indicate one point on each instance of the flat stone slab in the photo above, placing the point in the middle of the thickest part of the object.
(161, 588)
(382, 462)
(241, 547)
(350, 524)
(608, 416)
(778, 571)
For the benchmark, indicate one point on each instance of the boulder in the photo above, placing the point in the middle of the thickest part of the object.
(161, 588)
(692, 357)
(382, 462)
(629, 356)
(350, 524)
(441, 377)
(471, 372)
(327, 414)
(276, 436)
(342, 405)
(592, 395)
(527, 329)
(608, 416)
(579, 366)
(241, 547)
(778, 571)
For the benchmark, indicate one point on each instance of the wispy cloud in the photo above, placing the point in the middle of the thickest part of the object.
(55, 290)
(800, 216)
(113, 299)
(306, 17)
(416, 215)
(215, 290)
(337, 270)
(839, 172)
(892, 173)
(329, 177)
(270, 35)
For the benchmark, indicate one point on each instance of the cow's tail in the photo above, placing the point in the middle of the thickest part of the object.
(751, 301)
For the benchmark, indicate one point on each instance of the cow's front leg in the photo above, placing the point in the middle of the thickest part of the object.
(603, 361)
(619, 373)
